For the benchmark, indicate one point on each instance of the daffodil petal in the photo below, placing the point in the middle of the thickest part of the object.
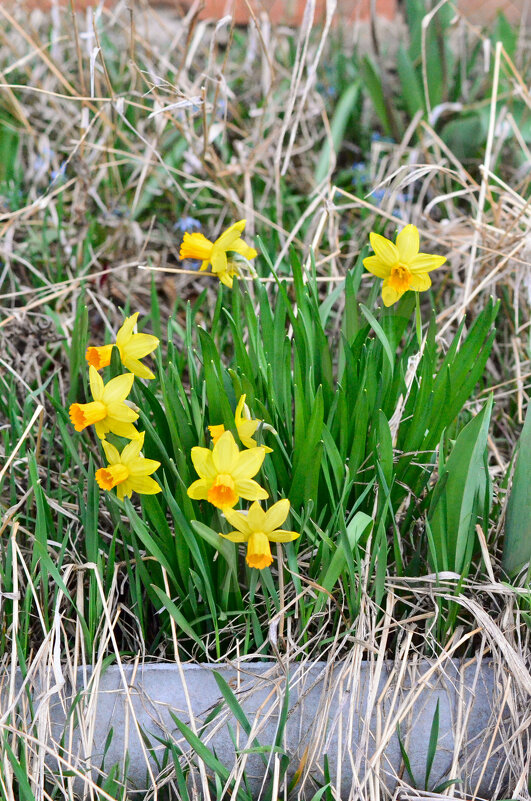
(225, 454)
(225, 278)
(234, 536)
(121, 429)
(420, 282)
(376, 266)
(256, 517)
(137, 368)
(125, 332)
(386, 251)
(141, 345)
(118, 410)
(219, 263)
(243, 249)
(229, 237)
(423, 262)
(132, 449)
(246, 429)
(202, 461)
(238, 414)
(101, 428)
(283, 536)
(275, 515)
(112, 454)
(96, 384)
(390, 295)
(142, 467)
(408, 243)
(144, 485)
(248, 464)
(117, 389)
(238, 520)
(199, 489)
(250, 490)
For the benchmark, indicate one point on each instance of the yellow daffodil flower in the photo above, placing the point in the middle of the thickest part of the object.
(197, 246)
(128, 471)
(132, 347)
(258, 528)
(108, 411)
(245, 427)
(401, 266)
(226, 474)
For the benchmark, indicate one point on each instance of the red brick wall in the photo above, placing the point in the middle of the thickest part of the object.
(279, 11)
(480, 12)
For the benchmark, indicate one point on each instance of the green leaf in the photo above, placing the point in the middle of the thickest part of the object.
(225, 547)
(202, 751)
(78, 349)
(412, 92)
(373, 84)
(338, 126)
(378, 330)
(517, 543)
(307, 454)
(454, 515)
(355, 531)
(432, 745)
(178, 617)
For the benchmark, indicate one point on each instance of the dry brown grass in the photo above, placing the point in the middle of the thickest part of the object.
(70, 104)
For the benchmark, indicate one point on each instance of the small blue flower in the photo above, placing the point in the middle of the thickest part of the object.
(187, 224)
(378, 195)
(360, 173)
(57, 175)
(377, 137)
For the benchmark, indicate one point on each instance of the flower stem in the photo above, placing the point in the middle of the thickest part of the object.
(280, 564)
(418, 319)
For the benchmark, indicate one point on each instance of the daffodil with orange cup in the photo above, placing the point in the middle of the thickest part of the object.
(258, 529)
(197, 246)
(226, 474)
(108, 411)
(245, 426)
(128, 471)
(132, 347)
(401, 265)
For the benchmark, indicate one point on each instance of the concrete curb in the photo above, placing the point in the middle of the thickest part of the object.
(359, 704)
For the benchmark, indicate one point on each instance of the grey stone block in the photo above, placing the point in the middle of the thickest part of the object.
(349, 714)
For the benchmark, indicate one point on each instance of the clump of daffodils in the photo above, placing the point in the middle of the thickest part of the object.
(110, 412)
(226, 474)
